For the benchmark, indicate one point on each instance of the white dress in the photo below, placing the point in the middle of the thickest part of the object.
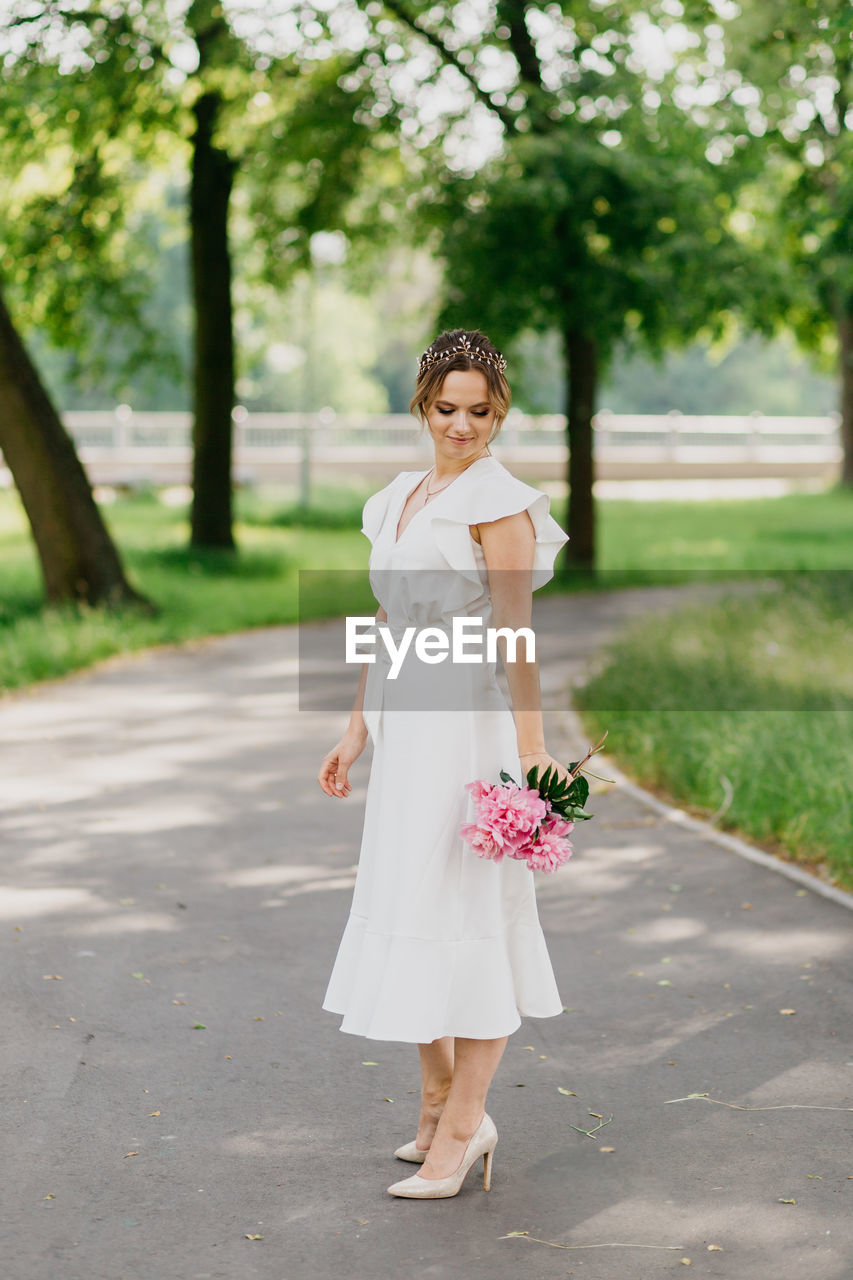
(440, 942)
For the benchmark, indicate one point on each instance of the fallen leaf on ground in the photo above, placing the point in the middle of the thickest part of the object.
(787, 1011)
(254, 1237)
(153, 1113)
(787, 1201)
(370, 1064)
(610, 1244)
(568, 1092)
(129, 1153)
(57, 976)
(780, 1106)
(715, 1248)
(606, 1150)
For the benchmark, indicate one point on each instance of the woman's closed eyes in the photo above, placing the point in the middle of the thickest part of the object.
(478, 413)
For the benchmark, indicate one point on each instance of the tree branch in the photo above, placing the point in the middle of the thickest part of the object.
(511, 13)
(401, 12)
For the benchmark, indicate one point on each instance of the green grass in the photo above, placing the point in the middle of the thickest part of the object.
(198, 594)
(742, 709)
(687, 705)
(218, 592)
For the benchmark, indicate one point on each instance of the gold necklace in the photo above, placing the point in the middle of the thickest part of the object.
(450, 482)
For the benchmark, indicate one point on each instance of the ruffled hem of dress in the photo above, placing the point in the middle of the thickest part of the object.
(392, 987)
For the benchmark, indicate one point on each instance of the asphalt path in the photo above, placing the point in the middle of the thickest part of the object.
(177, 1106)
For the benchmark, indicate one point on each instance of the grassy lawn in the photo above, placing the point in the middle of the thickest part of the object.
(213, 593)
(742, 709)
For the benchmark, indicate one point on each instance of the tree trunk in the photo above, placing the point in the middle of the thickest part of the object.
(213, 374)
(582, 375)
(78, 558)
(845, 347)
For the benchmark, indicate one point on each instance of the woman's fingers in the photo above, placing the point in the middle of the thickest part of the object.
(333, 777)
(326, 776)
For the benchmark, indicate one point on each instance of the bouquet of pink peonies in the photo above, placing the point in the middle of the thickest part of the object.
(530, 823)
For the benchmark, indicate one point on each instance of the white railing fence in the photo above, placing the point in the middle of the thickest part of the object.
(121, 446)
(124, 429)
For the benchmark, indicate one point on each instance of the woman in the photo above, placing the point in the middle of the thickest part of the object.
(442, 948)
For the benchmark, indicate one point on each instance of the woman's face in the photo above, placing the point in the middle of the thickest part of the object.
(462, 417)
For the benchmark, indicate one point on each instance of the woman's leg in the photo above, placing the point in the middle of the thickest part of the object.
(436, 1079)
(474, 1064)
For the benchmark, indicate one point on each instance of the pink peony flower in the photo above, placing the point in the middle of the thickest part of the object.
(481, 841)
(510, 813)
(479, 788)
(516, 822)
(551, 849)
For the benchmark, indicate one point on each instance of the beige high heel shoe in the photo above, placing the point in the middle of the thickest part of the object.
(411, 1151)
(481, 1143)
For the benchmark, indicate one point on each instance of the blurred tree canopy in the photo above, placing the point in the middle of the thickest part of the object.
(793, 61)
(604, 212)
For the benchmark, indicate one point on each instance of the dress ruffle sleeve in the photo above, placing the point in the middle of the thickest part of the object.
(374, 511)
(497, 494)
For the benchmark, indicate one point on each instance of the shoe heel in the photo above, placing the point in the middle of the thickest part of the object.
(487, 1170)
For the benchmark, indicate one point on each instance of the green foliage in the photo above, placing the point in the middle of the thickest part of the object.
(82, 118)
(564, 232)
(605, 211)
(742, 708)
(796, 62)
(81, 225)
(565, 798)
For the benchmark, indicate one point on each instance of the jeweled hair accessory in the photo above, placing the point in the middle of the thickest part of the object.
(431, 357)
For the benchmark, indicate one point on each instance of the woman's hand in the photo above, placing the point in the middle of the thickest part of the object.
(543, 760)
(333, 771)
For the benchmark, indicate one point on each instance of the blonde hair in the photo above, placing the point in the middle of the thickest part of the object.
(431, 376)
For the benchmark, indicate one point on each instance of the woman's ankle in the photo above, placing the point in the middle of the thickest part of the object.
(434, 1097)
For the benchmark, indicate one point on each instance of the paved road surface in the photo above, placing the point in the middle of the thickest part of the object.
(169, 861)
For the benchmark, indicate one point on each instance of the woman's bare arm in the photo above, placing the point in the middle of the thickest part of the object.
(334, 769)
(356, 720)
(508, 546)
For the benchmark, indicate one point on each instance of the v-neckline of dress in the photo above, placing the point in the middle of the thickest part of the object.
(398, 537)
